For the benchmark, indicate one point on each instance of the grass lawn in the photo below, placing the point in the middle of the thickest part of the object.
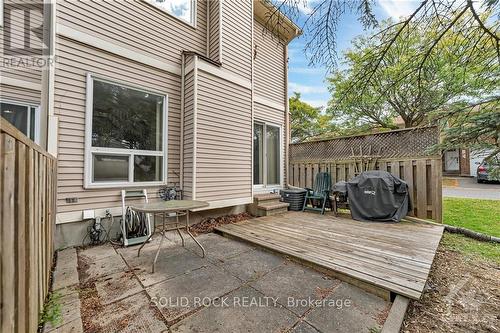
(472, 248)
(475, 214)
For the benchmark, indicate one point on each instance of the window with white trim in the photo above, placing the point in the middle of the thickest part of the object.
(126, 135)
(182, 9)
(24, 116)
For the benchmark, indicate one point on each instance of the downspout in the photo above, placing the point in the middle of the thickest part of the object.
(252, 101)
(48, 121)
(183, 70)
(287, 120)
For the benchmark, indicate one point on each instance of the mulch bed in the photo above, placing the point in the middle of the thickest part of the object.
(463, 296)
(207, 225)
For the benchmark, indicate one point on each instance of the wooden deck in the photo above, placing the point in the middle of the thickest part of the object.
(395, 257)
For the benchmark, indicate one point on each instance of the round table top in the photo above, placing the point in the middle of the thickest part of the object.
(168, 206)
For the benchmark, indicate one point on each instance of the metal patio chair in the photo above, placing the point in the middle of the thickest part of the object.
(319, 193)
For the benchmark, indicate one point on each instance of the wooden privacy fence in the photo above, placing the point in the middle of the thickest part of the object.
(28, 196)
(403, 153)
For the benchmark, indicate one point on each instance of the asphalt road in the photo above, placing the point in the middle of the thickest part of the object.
(469, 188)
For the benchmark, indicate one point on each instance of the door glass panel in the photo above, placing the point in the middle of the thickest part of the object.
(32, 123)
(258, 154)
(273, 158)
(17, 115)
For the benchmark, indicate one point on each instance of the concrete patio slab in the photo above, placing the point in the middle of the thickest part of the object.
(239, 318)
(70, 311)
(148, 252)
(218, 247)
(90, 269)
(117, 286)
(252, 265)
(132, 314)
(355, 310)
(65, 273)
(184, 293)
(304, 327)
(95, 253)
(167, 267)
(236, 289)
(298, 283)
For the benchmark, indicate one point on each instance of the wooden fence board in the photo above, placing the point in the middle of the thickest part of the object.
(413, 171)
(28, 176)
(21, 278)
(8, 233)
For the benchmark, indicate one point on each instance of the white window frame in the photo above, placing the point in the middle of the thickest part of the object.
(265, 185)
(36, 139)
(193, 12)
(90, 150)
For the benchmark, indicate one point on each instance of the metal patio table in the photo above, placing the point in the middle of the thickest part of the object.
(164, 208)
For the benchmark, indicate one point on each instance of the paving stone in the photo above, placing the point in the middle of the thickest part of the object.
(360, 316)
(90, 270)
(117, 286)
(218, 247)
(304, 327)
(74, 326)
(168, 266)
(95, 253)
(184, 293)
(238, 318)
(132, 314)
(295, 285)
(65, 277)
(66, 255)
(148, 252)
(252, 265)
(70, 309)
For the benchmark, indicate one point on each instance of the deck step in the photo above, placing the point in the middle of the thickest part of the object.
(266, 197)
(273, 206)
(266, 204)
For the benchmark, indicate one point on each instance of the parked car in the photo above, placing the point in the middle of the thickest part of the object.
(484, 169)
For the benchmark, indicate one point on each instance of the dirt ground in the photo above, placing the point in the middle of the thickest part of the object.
(463, 295)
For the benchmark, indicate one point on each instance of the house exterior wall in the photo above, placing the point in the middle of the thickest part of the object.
(215, 31)
(75, 61)
(269, 67)
(136, 25)
(237, 37)
(224, 140)
(210, 110)
(14, 12)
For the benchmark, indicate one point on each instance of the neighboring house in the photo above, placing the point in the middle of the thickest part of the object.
(148, 94)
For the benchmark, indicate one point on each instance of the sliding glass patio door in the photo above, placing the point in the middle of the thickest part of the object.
(266, 155)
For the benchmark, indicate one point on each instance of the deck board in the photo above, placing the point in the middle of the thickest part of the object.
(393, 256)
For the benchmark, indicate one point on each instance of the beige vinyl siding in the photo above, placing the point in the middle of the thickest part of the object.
(136, 25)
(237, 37)
(223, 142)
(74, 62)
(272, 116)
(269, 65)
(19, 94)
(214, 30)
(188, 135)
(14, 27)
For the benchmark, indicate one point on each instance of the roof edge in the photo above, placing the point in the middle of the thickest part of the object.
(288, 30)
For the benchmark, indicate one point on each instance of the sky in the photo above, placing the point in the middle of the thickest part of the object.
(310, 81)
